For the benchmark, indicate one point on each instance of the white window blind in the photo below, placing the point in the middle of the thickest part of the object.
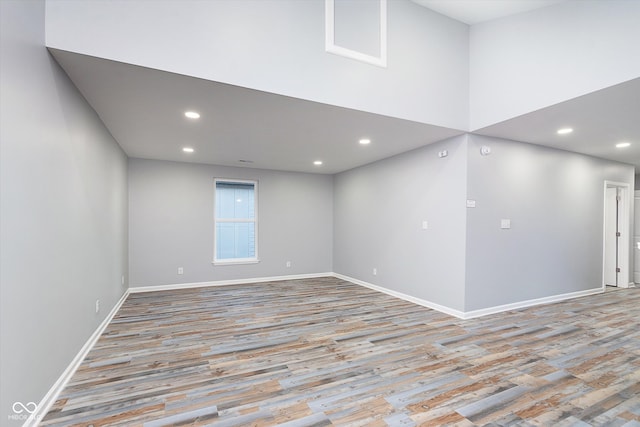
(235, 221)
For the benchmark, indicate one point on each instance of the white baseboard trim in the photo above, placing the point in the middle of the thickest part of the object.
(49, 399)
(415, 300)
(529, 303)
(473, 313)
(52, 395)
(175, 286)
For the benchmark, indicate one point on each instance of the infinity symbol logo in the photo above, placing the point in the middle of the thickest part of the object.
(19, 407)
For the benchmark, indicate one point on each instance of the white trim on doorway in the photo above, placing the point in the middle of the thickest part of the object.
(624, 218)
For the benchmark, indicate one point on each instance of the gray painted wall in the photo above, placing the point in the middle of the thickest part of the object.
(555, 202)
(63, 213)
(171, 223)
(532, 60)
(378, 214)
(427, 79)
(465, 261)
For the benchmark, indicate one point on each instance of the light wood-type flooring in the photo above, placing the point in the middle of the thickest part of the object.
(320, 352)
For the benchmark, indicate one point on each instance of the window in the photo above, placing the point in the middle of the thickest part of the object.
(236, 222)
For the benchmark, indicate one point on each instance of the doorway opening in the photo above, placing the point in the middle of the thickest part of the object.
(617, 208)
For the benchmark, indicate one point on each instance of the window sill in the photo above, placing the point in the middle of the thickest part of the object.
(236, 261)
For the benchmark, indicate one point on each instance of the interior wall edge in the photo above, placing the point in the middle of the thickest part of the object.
(465, 315)
(545, 195)
(176, 286)
(50, 397)
(530, 303)
(402, 296)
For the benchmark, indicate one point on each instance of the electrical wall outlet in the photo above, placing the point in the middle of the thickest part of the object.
(97, 305)
(375, 271)
(180, 270)
(288, 264)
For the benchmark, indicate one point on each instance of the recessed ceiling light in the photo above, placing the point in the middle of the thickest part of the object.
(192, 115)
(317, 162)
(365, 141)
(564, 131)
(623, 144)
(188, 149)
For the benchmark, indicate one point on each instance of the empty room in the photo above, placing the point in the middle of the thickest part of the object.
(319, 212)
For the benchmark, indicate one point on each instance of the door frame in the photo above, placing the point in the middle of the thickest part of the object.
(624, 216)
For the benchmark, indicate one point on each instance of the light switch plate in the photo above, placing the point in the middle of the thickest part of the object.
(425, 225)
(505, 223)
(471, 203)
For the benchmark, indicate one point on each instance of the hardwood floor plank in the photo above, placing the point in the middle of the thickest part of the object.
(320, 352)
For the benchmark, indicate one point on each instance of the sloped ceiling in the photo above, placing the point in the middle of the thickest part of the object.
(600, 120)
(144, 110)
(476, 11)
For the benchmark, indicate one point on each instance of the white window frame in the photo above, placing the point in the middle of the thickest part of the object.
(331, 47)
(235, 261)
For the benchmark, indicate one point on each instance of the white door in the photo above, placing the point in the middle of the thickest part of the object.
(636, 245)
(611, 237)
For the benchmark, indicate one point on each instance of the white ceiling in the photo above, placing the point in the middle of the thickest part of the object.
(476, 11)
(600, 120)
(144, 110)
